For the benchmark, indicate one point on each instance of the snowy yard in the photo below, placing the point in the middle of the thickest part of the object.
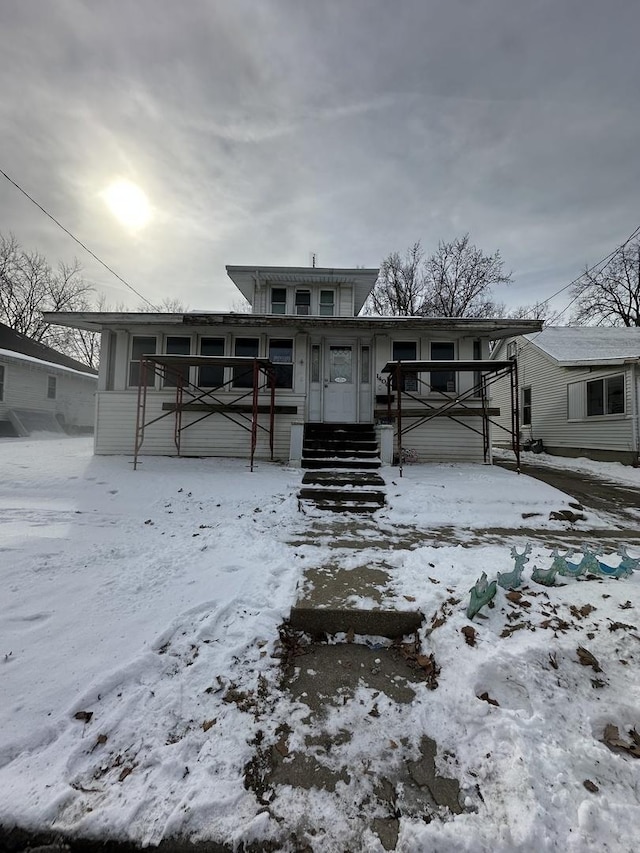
(138, 624)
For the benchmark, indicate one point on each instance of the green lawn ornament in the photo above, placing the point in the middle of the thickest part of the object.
(513, 579)
(482, 593)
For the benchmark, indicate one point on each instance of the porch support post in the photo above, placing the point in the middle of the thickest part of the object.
(296, 439)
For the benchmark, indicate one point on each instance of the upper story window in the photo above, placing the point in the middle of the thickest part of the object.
(327, 303)
(281, 354)
(51, 387)
(303, 303)
(211, 375)
(278, 300)
(177, 345)
(443, 380)
(247, 347)
(606, 396)
(511, 350)
(141, 345)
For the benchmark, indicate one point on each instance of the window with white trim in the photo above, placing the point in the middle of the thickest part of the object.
(141, 345)
(176, 345)
(249, 348)
(443, 380)
(405, 351)
(327, 303)
(51, 387)
(303, 303)
(281, 354)
(525, 409)
(278, 300)
(211, 375)
(605, 396)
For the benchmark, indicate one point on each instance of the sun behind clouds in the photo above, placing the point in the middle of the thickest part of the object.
(128, 203)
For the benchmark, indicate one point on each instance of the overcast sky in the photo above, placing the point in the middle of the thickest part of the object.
(265, 130)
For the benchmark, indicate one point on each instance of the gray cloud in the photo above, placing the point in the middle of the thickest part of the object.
(264, 131)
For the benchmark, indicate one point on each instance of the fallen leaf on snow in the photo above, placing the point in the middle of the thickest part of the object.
(587, 659)
(469, 635)
(486, 698)
(83, 716)
(613, 740)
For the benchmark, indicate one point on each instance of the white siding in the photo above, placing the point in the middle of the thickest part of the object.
(25, 387)
(550, 385)
(444, 440)
(213, 436)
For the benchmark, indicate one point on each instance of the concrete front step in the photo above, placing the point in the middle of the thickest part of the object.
(339, 453)
(348, 495)
(374, 623)
(342, 478)
(359, 508)
(347, 464)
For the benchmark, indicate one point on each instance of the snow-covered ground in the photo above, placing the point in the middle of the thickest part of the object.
(138, 622)
(615, 472)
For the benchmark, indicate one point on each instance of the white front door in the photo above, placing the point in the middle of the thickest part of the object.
(340, 382)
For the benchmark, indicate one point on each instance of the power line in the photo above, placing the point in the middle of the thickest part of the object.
(606, 261)
(79, 242)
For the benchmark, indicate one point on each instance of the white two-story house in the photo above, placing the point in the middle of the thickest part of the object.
(200, 383)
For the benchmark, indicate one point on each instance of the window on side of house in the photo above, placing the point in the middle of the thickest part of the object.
(176, 345)
(327, 303)
(605, 396)
(303, 303)
(405, 351)
(511, 350)
(141, 345)
(51, 387)
(278, 300)
(249, 348)
(525, 409)
(1, 381)
(211, 375)
(443, 380)
(281, 354)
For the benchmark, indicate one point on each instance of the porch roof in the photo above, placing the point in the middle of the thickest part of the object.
(96, 321)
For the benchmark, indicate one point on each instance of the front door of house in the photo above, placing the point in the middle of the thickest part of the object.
(340, 382)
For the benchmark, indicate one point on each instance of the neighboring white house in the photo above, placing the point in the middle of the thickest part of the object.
(42, 389)
(579, 390)
(195, 391)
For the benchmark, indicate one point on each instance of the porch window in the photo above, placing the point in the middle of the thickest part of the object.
(526, 407)
(141, 345)
(364, 366)
(279, 300)
(405, 351)
(315, 363)
(1, 381)
(443, 380)
(605, 396)
(327, 303)
(303, 303)
(281, 354)
(211, 376)
(247, 347)
(176, 346)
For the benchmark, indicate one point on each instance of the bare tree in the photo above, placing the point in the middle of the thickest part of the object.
(610, 296)
(457, 280)
(400, 288)
(168, 305)
(29, 285)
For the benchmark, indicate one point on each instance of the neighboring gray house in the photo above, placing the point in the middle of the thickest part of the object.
(197, 383)
(579, 390)
(42, 389)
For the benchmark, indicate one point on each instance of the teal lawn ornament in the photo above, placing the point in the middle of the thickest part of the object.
(628, 564)
(513, 579)
(481, 594)
(564, 567)
(547, 577)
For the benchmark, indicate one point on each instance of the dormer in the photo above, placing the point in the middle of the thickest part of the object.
(304, 291)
